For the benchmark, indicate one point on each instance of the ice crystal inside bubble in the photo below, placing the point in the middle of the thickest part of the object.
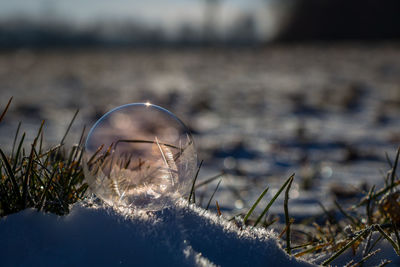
(140, 155)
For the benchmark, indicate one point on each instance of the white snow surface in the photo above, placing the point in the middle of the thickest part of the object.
(98, 235)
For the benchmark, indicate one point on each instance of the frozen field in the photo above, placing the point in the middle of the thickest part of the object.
(327, 113)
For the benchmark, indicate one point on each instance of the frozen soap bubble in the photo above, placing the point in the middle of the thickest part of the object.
(139, 155)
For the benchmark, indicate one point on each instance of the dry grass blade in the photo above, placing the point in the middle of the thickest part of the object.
(218, 209)
(291, 221)
(384, 263)
(367, 257)
(310, 250)
(349, 264)
(344, 248)
(273, 200)
(255, 204)
(5, 110)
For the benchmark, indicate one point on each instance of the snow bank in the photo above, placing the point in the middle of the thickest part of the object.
(101, 236)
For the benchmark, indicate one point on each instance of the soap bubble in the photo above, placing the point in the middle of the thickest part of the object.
(140, 155)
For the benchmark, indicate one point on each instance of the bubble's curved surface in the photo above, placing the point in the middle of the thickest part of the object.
(140, 155)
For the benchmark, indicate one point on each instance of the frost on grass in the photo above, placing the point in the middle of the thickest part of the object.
(99, 235)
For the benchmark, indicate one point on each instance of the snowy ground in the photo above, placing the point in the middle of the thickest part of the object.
(100, 236)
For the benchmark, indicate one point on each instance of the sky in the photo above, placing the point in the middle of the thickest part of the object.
(89, 9)
(168, 14)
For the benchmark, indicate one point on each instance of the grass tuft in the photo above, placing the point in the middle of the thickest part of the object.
(273, 200)
(50, 181)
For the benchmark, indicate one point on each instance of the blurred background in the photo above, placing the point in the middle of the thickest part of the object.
(268, 87)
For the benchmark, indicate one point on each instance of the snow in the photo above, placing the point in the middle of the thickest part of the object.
(98, 235)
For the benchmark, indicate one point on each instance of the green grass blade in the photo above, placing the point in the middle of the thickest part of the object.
(15, 139)
(287, 218)
(28, 173)
(69, 127)
(273, 200)
(18, 151)
(209, 180)
(10, 174)
(368, 206)
(354, 221)
(192, 193)
(46, 189)
(388, 238)
(396, 233)
(255, 205)
(216, 188)
(393, 174)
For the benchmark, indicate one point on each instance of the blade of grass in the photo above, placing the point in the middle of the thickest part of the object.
(384, 263)
(69, 127)
(367, 244)
(302, 245)
(377, 194)
(337, 254)
(286, 228)
(354, 221)
(312, 249)
(287, 219)
(192, 193)
(388, 238)
(271, 222)
(382, 191)
(375, 243)
(273, 200)
(255, 204)
(218, 209)
(393, 174)
(368, 206)
(28, 173)
(216, 188)
(388, 160)
(11, 175)
(46, 189)
(18, 151)
(396, 232)
(6, 108)
(41, 143)
(15, 139)
(209, 180)
(365, 258)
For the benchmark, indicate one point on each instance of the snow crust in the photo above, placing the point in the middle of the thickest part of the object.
(99, 235)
